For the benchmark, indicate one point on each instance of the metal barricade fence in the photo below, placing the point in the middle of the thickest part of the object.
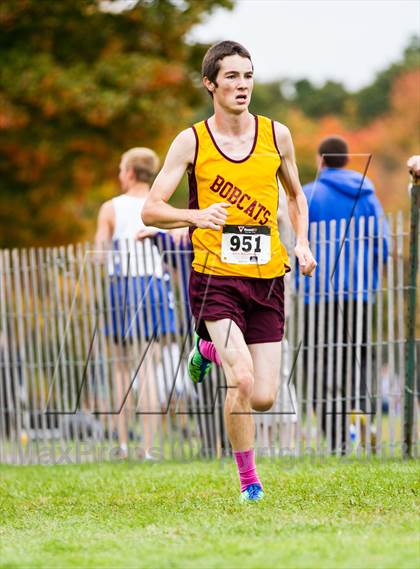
(92, 345)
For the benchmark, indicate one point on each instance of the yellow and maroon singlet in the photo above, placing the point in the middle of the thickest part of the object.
(249, 244)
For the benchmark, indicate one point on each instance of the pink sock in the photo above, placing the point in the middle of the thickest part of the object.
(208, 351)
(245, 462)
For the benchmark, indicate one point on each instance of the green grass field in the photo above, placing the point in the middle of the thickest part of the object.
(330, 514)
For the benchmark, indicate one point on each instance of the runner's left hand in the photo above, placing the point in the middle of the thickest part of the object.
(306, 260)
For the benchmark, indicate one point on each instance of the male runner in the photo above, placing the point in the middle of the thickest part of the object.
(236, 283)
(136, 259)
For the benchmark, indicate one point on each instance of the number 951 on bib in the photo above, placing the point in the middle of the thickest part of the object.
(246, 244)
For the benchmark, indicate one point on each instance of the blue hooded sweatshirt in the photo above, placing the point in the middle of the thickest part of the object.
(342, 194)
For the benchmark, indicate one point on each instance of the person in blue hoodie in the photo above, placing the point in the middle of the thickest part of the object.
(339, 193)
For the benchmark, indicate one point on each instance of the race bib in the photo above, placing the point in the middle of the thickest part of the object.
(246, 244)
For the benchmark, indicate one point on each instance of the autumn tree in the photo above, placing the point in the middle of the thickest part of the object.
(375, 99)
(317, 102)
(78, 85)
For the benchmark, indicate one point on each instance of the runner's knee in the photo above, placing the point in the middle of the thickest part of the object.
(263, 403)
(242, 379)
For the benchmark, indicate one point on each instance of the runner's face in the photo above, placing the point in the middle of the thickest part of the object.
(234, 83)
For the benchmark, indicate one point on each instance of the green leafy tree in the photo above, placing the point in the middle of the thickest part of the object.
(78, 85)
(374, 100)
(277, 98)
(330, 99)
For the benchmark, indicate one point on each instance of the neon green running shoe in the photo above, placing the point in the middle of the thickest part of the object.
(253, 493)
(198, 366)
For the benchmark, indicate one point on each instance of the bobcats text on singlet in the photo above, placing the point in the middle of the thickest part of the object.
(249, 244)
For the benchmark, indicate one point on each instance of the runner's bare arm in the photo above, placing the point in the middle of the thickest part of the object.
(158, 212)
(297, 205)
(105, 224)
(104, 229)
(283, 222)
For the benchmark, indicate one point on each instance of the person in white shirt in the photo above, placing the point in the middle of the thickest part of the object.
(141, 298)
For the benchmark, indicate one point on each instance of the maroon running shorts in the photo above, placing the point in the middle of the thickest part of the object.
(255, 305)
